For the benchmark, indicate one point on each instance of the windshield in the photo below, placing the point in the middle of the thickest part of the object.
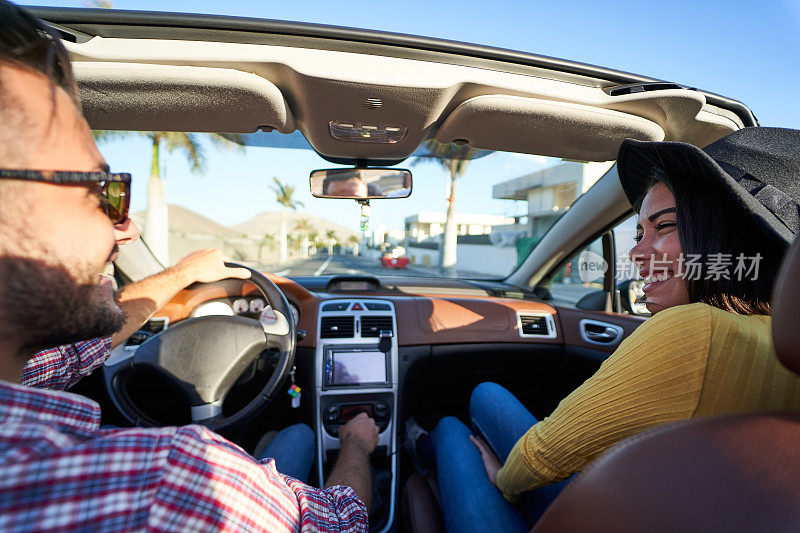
(251, 198)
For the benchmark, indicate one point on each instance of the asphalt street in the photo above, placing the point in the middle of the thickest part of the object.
(332, 265)
(346, 264)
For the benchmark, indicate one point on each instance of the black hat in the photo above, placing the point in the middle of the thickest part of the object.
(758, 167)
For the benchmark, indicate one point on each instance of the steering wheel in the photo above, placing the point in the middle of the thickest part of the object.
(205, 356)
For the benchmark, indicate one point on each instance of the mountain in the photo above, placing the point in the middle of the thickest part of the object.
(187, 222)
(270, 222)
(182, 220)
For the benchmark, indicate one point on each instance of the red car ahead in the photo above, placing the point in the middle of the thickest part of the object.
(389, 260)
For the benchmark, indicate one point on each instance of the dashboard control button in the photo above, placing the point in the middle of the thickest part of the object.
(357, 307)
(378, 306)
(339, 306)
(332, 410)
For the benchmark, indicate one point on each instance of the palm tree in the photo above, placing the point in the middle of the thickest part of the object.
(454, 158)
(284, 195)
(330, 237)
(156, 229)
(305, 227)
(313, 237)
(354, 240)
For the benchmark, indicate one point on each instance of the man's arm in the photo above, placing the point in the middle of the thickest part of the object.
(358, 439)
(141, 299)
(61, 367)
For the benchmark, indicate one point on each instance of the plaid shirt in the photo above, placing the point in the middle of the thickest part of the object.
(60, 471)
(62, 367)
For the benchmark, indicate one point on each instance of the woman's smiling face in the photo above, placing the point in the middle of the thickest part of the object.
(658, 251)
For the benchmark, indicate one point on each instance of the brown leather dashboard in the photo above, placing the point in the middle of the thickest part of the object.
(428, 319)
(451, 319)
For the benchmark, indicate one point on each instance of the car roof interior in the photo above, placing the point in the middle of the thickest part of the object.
(155, 75)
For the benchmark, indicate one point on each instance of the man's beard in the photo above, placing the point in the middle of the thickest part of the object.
(42, 306)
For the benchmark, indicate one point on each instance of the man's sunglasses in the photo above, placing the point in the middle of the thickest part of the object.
(114, 193)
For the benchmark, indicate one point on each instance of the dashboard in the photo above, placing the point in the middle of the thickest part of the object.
(245, 306)
(429, 311)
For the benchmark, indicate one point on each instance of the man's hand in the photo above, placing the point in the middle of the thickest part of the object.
(490, 461)
(358, 438)
(208, 265)
(359, 433)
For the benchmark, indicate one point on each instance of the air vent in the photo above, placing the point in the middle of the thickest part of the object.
(371, 326)
(536, 325)
(337, 327)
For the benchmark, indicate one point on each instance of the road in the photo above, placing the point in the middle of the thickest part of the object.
(333, 265)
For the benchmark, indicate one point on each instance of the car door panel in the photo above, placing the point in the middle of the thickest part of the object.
(577, 323)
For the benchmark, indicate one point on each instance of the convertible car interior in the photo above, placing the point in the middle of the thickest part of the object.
(392, 346)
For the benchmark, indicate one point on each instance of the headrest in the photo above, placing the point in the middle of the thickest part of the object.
(785, 311)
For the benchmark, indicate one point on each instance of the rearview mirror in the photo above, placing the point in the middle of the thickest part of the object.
(361, 183)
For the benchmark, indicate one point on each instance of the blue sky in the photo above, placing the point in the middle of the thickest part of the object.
(742, 49)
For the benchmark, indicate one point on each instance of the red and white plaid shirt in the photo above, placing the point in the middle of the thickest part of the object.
(60, 471)
(62, 367)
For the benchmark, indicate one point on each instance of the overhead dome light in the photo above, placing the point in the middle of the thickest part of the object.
(366, 133)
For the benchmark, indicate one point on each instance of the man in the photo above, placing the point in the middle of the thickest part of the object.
(353, 187)
(60, 471)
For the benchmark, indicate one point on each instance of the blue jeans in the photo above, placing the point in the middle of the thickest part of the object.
(469, 500)
(293, 451)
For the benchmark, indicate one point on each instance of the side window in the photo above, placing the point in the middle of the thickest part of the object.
(624, 234)
(579, 282)
(581, 275)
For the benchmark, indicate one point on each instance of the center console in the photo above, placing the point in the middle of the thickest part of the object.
(356, 367)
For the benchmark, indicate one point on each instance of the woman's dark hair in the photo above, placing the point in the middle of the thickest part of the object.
(710, 222)
(27, 42)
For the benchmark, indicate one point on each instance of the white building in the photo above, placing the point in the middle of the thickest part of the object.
(550, 191)
(428, 224)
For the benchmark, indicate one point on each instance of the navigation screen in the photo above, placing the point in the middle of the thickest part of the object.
(354, 368)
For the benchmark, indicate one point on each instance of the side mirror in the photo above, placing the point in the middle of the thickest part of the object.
(361, 183)
(592, 301)
(631, 297)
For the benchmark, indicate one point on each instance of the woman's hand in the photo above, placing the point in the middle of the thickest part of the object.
(490, 461)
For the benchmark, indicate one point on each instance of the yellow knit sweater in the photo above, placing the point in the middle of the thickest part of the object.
(688, 361)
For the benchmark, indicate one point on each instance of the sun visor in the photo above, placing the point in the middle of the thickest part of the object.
(544, 127)
(141, 97)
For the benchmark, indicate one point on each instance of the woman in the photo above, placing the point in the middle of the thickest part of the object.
(706, 351)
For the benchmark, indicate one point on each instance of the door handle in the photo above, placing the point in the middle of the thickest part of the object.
(606, 335)
(596, 332)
